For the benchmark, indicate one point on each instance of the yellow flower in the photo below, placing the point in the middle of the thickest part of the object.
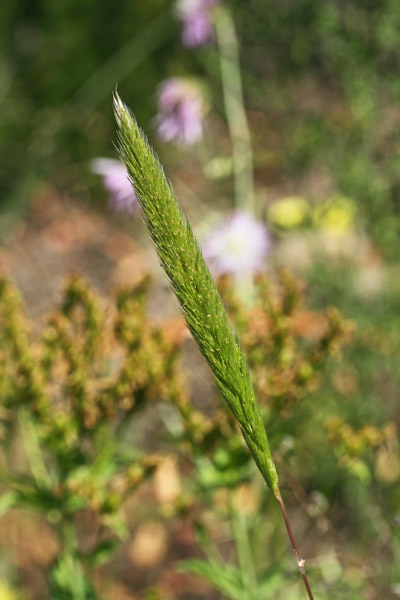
(289, 212)
(337, 215)
(7, 593)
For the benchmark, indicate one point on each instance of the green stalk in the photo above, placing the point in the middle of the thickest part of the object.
(67, 574)
(33, 453)
(181, 258)
(243, 549)
(234, 107)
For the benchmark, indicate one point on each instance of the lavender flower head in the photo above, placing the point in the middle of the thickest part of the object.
(115, 179)
(180, 115)
(237, 246)
(197, 21)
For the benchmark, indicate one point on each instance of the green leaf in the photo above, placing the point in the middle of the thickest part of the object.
(102, 553)
(270, 584)
(227, 579)
(8, 500)
(68, 581)
(117, 524)
(25, 493)
(209, 476)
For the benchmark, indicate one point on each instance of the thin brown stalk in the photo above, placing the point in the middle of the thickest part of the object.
(300, 561)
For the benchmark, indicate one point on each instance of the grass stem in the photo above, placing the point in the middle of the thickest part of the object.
(234, 106)
(300, 561)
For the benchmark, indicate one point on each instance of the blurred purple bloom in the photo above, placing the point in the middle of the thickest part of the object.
(197, 21)
(115, 179)
(239, 245)
(180, 115)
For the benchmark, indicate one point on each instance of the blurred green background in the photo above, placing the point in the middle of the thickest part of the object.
(321, 83)
(322, 76)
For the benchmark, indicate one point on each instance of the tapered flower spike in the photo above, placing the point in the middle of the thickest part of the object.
(181, 258)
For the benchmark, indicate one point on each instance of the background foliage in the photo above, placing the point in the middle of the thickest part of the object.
(321, 85)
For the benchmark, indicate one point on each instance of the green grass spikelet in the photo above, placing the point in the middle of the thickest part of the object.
(182, 260)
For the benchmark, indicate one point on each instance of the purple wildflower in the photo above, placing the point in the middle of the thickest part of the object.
(197, 21)
(180, 115)
(238, 245)
(116, 181)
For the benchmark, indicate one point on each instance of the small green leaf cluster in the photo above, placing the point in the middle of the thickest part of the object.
(366, 451)
(88, 365)
(287, 345)
(68, 395)
(231, 581)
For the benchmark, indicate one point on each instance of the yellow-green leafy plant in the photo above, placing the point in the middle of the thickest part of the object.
(286, 344)
(72, 389)
(67, 395)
